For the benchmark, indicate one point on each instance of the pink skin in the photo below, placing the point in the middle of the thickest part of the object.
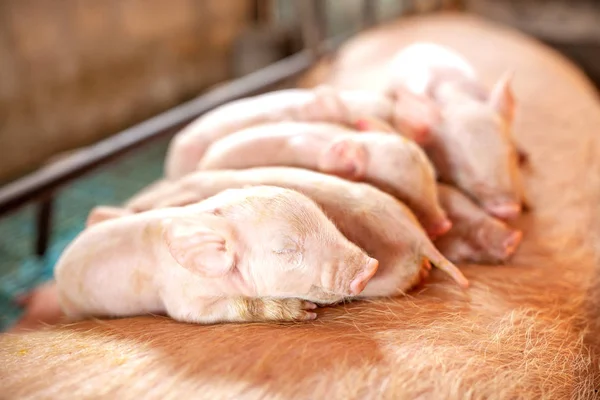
(385, 228)
(390, 162)
(414, 113)
(322, 104)
(102, 213)
(475, 236)
(201, 263)
(471, 144)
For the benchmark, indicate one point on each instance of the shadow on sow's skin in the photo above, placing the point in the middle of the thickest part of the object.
(20, 268)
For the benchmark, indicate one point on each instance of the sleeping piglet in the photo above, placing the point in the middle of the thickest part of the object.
(471, 144)
(390, 162)
(262, 253)
(378, 223)
(322, 104)
(475, 236)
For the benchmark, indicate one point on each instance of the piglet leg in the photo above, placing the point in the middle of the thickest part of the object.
(440, 262)
(240, 309)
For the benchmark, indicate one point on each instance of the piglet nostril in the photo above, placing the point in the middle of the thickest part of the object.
(360, 282)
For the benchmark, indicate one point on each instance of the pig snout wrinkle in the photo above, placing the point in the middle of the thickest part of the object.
(360, 282)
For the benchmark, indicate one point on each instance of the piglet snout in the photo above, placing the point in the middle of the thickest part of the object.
(505, 210)
(439, 228)
(360, 282)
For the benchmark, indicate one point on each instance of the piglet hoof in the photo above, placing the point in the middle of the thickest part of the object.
(305, 315)
(425, 268)
(296, 310)
(512, 242)
(420, 279)
(426, 264)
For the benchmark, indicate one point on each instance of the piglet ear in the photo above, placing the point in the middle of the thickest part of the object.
(199, 247)
(344, 157)
(502, 98)
(415, 115)
(104, 213)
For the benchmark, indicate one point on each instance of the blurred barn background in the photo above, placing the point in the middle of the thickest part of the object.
(74, 72)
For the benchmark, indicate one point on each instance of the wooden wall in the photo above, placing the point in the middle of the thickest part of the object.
(75, 71)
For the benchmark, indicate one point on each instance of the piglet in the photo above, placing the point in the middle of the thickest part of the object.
(378, 223)
(475, 236)
(322, 104)
(262, 253)
(392, 163)
(471, 144)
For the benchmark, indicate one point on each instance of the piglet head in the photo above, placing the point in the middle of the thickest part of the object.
(273, 242)
(496, 240)
(475, 152)
(294, 249)
(487, 241)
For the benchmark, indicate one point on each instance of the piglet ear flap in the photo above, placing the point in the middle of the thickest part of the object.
(199, 247)
(104, 213)
(502, 98)
(415, 115)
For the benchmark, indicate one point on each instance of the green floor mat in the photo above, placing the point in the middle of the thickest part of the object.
(20, 268)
